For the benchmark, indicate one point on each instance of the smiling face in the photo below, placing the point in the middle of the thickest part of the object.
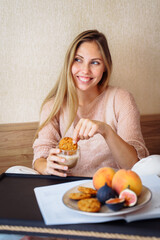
(88, 67)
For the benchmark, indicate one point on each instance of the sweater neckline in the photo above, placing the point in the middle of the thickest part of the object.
(87, 108)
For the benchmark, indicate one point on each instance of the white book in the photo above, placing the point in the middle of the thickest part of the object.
(55, 212)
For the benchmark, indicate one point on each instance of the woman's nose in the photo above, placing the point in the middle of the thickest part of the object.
(85, 68)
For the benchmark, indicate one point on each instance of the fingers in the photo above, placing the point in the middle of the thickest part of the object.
(85, 129)
(93, 130)
(54, 151)
(54, 166)
(56, 169)
(76, 131)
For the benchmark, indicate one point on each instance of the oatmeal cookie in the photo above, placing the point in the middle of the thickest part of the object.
(66, 143)
(87, 190)
(89, 205)
(79, 195)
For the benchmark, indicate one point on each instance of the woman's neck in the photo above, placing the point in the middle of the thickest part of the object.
(87, 97)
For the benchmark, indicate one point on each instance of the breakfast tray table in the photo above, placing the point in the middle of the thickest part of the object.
(20, 214)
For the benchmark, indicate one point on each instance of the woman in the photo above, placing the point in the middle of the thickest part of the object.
(104, 120)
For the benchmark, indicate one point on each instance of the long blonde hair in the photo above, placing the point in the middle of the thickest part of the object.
(64, 89)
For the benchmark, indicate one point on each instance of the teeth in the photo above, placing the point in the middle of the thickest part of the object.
(84, 79)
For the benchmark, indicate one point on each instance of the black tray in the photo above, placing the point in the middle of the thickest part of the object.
(19, 213)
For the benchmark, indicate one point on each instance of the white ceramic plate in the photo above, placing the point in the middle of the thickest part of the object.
(143, 199)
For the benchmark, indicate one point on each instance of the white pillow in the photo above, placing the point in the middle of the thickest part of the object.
(21, 170)
(147, 166)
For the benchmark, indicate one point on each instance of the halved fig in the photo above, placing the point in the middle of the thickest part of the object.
(129, 196)
(115, 204)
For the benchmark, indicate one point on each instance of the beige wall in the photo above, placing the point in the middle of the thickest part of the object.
(34, 36)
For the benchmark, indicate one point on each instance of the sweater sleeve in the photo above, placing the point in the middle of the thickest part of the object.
(49, 135)
(128, 122)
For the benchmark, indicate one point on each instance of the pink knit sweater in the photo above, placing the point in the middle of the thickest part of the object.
(115, 107)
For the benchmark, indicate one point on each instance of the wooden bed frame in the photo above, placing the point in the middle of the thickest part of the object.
(16, 141)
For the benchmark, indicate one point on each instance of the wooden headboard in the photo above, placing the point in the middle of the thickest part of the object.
(16, 141)
(16, 144)
(150, 125)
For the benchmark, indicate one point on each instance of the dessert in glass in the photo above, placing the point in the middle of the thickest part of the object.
(69, 151)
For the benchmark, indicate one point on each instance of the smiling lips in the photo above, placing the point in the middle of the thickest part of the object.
(84, 79)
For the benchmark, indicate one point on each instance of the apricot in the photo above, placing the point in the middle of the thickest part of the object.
(123, 179)
(102, 176)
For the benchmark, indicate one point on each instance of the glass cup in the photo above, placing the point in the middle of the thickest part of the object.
(71, 157)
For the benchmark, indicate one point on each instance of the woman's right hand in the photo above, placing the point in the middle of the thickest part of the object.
(54, 166)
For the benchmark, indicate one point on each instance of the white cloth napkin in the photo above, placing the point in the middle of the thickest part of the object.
(53, 210)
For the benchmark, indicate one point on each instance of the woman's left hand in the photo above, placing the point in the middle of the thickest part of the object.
(87, 128)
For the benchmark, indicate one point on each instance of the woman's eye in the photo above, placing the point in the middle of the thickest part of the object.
(95, 63)
(77, 60)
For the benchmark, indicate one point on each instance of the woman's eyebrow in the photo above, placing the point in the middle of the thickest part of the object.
(77, 55)
(96, 58)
